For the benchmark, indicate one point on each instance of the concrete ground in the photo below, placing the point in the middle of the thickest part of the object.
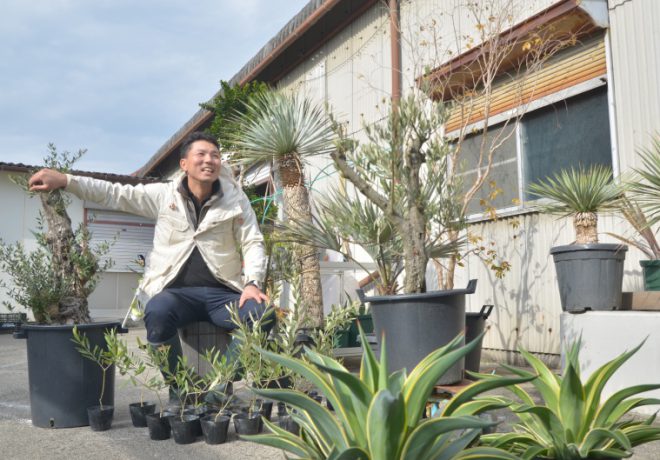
(20, 440)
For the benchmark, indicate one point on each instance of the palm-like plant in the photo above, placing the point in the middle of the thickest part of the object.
(581, 193)
(344, 219)
(379, 415)
(572, 423)
(646, 191)
(286, 129)
(646, 240)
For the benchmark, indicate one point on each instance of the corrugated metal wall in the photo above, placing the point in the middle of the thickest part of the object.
(357, 72)
(635, 51)
(352, 74)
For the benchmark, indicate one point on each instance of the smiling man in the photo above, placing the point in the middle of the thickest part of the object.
(194, 270)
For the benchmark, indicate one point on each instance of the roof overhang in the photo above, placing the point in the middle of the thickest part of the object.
(21, 168)
(565, 20)
(297, 41)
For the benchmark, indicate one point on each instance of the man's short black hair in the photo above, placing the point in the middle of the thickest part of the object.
(194, 137)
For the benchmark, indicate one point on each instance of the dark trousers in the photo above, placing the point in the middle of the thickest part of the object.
(176, 307)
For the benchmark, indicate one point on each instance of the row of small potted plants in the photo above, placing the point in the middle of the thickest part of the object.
(189, 413)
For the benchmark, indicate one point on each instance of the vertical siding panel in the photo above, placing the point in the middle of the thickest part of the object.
(635, 54)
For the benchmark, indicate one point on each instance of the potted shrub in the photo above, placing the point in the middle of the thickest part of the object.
(572, 422)
(54, 281)
(406, 214)
(380, 415)
(144, 372)
(100, 416)
(215, 424)
(589, 273)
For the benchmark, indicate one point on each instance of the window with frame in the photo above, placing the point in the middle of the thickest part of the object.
(571, 132)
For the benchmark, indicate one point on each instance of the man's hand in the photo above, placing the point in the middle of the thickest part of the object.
(252, 292)
(47, 180)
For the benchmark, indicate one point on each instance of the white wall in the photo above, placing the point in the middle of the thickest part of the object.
(18, 214)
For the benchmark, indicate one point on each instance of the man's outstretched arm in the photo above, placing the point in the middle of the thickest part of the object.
(47, 180)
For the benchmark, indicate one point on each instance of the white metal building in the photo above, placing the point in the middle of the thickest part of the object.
(594, 101)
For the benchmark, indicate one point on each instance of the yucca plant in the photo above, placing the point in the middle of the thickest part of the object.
(379, 415)
(572, 423)
(285, 129)
(646, 240)
(640, 206)
(582, 193)
(344, 219)
(646, 190)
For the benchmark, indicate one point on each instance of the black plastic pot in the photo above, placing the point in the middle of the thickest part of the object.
(247, 423)
(287, 423)
(215, 429)
(475, 324)
(159, 427)
(281, 409)
(62, 383)
(100, 419)
(417, 324)
(282, 382)
(184, 429)
(139, 412)
(198, 412)
(589, 276)
(266, 408)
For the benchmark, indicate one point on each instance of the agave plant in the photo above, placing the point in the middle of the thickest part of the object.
(572, 423)
(286, 129)
(580, 193)
(379, 415)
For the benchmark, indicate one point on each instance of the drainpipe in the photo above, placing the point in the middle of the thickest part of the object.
(395, 45)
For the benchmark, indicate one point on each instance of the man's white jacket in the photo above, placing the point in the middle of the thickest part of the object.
(229, 225)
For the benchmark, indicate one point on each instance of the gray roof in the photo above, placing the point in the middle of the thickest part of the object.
(121, 178)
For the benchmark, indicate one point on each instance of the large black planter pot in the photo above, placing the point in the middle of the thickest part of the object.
(62, 383)
(589, 276)
(416, 324)
(475, 323)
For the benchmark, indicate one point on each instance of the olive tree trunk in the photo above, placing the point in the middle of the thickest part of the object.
(61, 241)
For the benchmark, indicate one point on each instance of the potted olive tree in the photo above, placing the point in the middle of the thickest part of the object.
(54, 282)
(403, 212)
(589, 273)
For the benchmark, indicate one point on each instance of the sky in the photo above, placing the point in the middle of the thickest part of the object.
(119, 77)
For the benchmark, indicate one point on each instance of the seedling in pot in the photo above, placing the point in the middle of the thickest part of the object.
(143, 372)
(101, 419)
(220, 376)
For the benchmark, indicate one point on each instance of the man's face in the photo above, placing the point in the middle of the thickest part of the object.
(202, 162)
